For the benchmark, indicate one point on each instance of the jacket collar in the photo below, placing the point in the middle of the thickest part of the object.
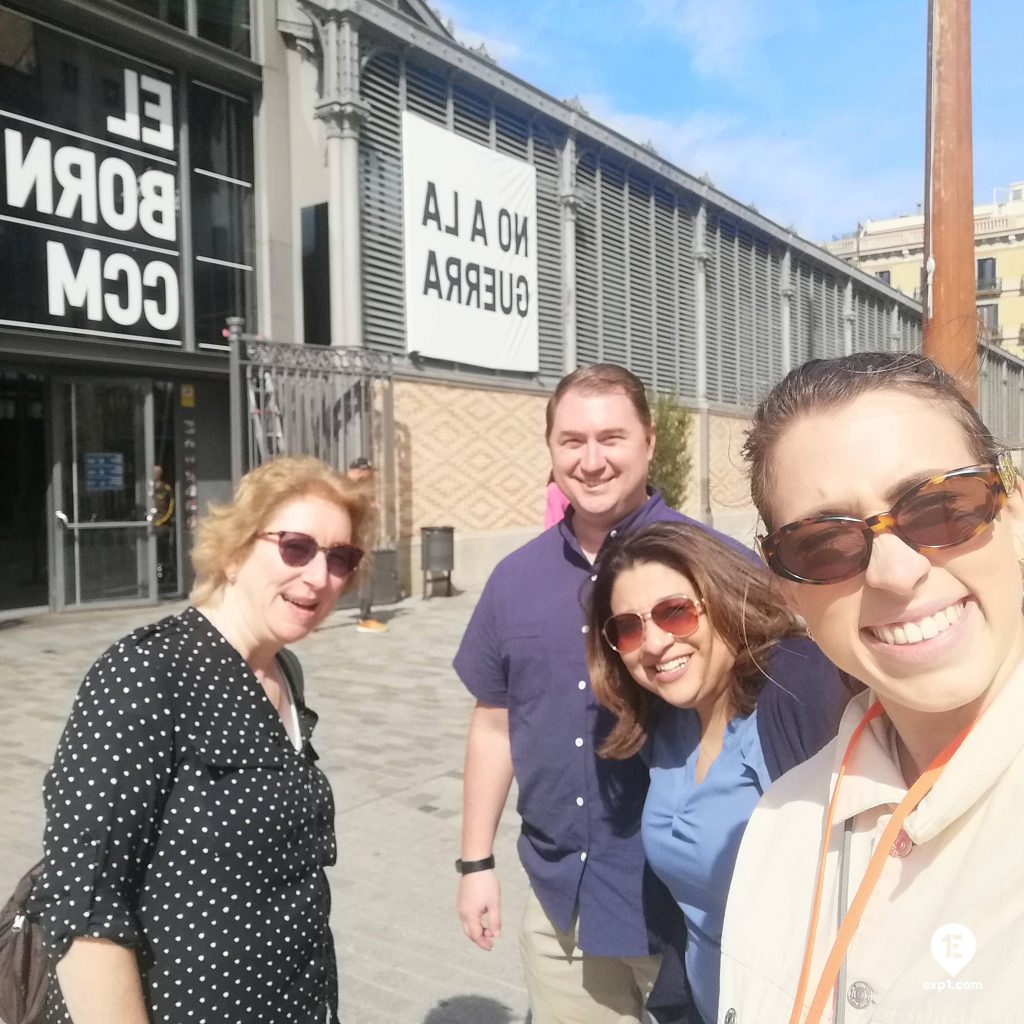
(874, 779)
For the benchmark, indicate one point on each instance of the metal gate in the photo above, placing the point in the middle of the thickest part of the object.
(334, 403)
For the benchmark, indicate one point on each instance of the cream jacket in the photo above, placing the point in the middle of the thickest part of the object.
(942, 938)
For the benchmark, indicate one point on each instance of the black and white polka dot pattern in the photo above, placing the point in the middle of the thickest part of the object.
(182, 822)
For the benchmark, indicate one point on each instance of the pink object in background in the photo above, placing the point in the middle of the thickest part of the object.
(556, 505)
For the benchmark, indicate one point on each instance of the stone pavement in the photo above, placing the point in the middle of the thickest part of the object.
(392, 726)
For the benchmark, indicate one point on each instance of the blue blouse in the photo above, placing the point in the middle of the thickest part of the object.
(692, 832)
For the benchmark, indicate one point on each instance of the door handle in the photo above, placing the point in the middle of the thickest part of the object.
(63, 518)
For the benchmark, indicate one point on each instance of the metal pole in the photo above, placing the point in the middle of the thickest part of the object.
(951, 320)
(238, 422)
(700, 309)
(568, 205)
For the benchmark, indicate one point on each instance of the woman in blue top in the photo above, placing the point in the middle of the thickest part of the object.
(684, 649)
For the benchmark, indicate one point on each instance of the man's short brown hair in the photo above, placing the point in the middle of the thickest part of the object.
(601, 379)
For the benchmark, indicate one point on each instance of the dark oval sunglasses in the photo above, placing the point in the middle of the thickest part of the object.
(298, 549)
(940, 512)
(677, 616)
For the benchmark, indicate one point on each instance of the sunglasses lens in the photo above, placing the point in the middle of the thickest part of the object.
(827, 551)
(677, 616)
(296, 549)
(946, 513)
(625, 633)
(343, 560)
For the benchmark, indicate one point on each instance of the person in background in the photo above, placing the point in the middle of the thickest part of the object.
(682, 631)
(588, 949)
(162, 520)
(188, 826)
(555, 503)
(894, 523)
(360, 471)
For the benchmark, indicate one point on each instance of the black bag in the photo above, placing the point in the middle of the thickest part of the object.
(24, 965)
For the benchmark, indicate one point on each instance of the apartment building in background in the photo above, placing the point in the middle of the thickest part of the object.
(893, 251)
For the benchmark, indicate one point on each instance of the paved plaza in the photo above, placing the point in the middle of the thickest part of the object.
(392, 726)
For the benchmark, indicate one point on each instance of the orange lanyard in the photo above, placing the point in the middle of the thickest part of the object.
(844, 936)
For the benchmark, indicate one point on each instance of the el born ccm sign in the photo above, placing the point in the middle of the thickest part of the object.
(97, 217)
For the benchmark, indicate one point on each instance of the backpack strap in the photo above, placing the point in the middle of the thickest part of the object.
(289, 662)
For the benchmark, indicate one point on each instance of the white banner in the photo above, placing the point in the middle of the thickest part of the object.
(470, 250)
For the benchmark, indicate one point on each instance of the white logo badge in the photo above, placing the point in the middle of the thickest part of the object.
(954, 946)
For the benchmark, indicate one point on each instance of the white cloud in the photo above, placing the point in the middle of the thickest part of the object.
(720, 34)
(802, 176)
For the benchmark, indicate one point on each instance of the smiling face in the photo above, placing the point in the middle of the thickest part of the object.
(600, 453)
(927, 631)
(694, 672)
(279, 604)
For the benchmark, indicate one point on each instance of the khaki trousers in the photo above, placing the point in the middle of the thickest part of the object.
(567, 986)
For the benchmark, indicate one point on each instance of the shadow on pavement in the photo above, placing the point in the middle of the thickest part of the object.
(470, 1010)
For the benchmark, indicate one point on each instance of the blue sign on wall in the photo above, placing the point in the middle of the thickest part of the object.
(104, 471)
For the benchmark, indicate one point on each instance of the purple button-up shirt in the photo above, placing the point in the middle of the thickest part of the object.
(524, 650)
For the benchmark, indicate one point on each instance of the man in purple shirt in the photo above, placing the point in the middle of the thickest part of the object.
(585, 940)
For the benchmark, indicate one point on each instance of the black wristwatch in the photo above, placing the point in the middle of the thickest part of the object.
(467, 867)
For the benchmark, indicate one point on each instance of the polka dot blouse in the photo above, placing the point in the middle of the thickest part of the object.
(183, 823)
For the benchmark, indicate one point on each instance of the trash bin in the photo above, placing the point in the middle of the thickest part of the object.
(437, 556)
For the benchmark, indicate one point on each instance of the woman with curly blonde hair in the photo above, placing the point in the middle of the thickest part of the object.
(188, 826)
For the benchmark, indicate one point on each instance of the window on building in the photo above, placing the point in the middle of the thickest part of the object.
(220, 134)
(988, 318)
(987, 274)
(316, 278)
(170, 11)
(227, 23)
(883, 276)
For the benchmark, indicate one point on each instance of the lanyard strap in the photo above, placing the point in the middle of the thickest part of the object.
(844, 935)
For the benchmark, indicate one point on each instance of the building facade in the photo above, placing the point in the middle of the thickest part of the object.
(422, 242)
(893, 250)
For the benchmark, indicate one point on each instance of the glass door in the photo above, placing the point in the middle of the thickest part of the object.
(105, 543)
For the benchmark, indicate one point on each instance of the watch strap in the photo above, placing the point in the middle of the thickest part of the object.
(467, 867)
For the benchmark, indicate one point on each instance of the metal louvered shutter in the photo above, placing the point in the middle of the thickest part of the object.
(612, 273)
(588, 262)
(640, 256)
(546, 158)
(380, 171)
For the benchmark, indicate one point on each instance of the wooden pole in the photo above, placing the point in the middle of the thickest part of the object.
(950, 316)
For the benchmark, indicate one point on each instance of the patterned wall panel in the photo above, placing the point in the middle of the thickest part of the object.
(469, 458)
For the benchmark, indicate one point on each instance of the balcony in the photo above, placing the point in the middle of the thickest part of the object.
(990, 285)
(992, 333)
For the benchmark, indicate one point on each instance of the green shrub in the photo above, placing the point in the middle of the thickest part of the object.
(671, 465)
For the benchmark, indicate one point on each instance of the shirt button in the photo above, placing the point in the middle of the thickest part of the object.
(593, 579)
(579, 741)
(859, 995)
(730, 1016)
(579, 801)
(583, 855)
(584, 629)
(582, 684)
(901, 845)
(613, 533)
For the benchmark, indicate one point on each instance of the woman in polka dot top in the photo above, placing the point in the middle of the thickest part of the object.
(188, 826)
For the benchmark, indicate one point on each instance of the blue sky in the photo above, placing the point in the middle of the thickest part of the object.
(812, 110)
